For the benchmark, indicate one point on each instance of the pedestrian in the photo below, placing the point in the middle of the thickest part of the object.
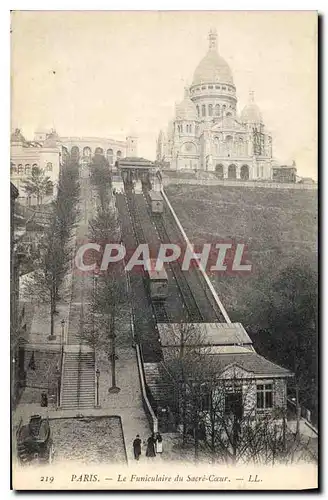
(159, 443)
(44, 399)
(150, 452)
(137, 447)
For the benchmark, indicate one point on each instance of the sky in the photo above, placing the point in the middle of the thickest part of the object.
(111, 74)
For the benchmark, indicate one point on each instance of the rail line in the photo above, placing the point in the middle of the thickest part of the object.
(160, 312)
(193, 310)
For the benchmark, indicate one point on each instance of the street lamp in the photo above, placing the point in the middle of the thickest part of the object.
(97, 393)
(58, 386)
(62, 333)
(113, 389)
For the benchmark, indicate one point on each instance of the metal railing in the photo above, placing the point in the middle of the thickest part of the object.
(306, 414)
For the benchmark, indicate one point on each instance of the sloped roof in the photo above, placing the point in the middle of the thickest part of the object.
(251, 362)
(214, 334)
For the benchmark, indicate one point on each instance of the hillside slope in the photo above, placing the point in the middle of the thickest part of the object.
(279, 227)
(277, 301)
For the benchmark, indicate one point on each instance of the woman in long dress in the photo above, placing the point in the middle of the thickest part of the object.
(150, 452)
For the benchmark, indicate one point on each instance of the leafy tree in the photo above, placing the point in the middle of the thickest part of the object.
(38, 185)
(101, 178)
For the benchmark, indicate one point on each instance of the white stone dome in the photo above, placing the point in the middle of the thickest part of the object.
(251, 114)
(186, 110)
(212, 68)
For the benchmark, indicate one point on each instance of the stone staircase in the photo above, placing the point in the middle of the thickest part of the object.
(87, 380)
(161, 389)
(78, 380)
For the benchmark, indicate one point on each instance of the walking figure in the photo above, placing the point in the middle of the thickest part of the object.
(150, 452)
(137, 447)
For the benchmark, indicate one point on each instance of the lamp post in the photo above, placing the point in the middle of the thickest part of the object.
(58, 386)
(62, 333)
(97, 388)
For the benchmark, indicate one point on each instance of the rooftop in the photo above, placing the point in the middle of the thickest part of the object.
(206, 334)
(251, 362)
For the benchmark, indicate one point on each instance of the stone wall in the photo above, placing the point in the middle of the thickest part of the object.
(280, 393)
(166, 181)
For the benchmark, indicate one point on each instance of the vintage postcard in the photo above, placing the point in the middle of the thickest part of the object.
(164, 284)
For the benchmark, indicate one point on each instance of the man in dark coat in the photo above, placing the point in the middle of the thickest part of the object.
(137, 447)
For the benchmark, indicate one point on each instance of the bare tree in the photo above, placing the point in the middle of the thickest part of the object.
(100, 331)
(54, 246)
(218, 408)
(183, 364)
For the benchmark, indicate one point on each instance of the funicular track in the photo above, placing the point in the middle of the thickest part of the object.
(202, 296)
(159, 309)
(193, 311)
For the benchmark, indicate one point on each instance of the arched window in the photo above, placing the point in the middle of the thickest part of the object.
(87, 152)
(49, 167)
(197, 107)
(13, 168)
(109, 155)
(244, 173)
(99, 151)
(219, 171)
(190, 129)
(210, 110)
(229, 114)
(20, 169)
(75, 153)
(203, 110)
(119, 154)
(232, 172)
(34, 167)
(217, 110)
(27, 169)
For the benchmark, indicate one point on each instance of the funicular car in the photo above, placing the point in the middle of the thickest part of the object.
(156, 202)
(157, 281)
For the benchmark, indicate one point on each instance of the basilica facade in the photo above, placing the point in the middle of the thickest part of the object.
(209, 134)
